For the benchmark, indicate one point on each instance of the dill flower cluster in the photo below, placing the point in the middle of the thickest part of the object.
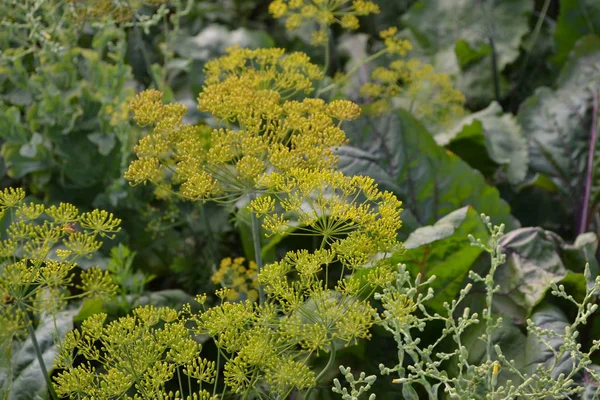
(109, 10)
(247, 88)
(322, 12)
(248, 335)
(40, 254)
(428, 94)
(142, 353)
(411, 84)
(277, 148)
(238, 278)
(353, 217)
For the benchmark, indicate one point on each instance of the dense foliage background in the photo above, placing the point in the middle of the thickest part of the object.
(521, 148)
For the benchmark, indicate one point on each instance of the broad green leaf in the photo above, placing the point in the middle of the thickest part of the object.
(557, 124)
(532, 263)
(105, 143)
(582, 252)
(455, 35)
(501, 135)
(535, 258)
(27, 379)
(18, 165)
(444, 250)
(581, 70)
(432, 182)
(577, 18)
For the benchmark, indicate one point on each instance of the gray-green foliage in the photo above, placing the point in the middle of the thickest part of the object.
(490, 359)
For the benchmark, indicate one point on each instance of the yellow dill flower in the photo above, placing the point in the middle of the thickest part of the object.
(429, 94)
(247, 88)
(238, 277)
(159, 349)
(323, 13)
(350, 213)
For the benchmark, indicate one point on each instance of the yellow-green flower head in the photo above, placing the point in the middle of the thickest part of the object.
(159, 350)
(248, 89)
(31, 276)
(351, 214)
(96, 11)
(262, 69)
(235, 275)
(431, 94)
(324, 13)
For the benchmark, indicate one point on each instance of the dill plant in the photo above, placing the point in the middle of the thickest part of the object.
(495, 377)
(39, 256)
(278, 158)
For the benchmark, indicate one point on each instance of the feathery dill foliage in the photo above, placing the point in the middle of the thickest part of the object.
(39, 256)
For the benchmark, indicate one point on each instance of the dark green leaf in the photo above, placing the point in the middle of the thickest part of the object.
(445, 251)
(434, 182)
(533, 262)
(557, 124)
(457, 33)
(501, 135)
(534, 259)
(549, 317)
(511, 341)
(577, 18)
(104, 142)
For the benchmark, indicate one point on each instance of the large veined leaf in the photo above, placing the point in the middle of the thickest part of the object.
(500, 135)
(551, 318)
(557, 124)
(456, 36)
(535, 258)
(431, 181)
(27, 379)
(444, 250)
(577, 18)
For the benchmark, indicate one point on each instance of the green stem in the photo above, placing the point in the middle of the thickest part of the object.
(38, 352)
(352, 71)
(214, 393)
(327, 61)
(324, 371)
(257, 250)
(212, 248)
